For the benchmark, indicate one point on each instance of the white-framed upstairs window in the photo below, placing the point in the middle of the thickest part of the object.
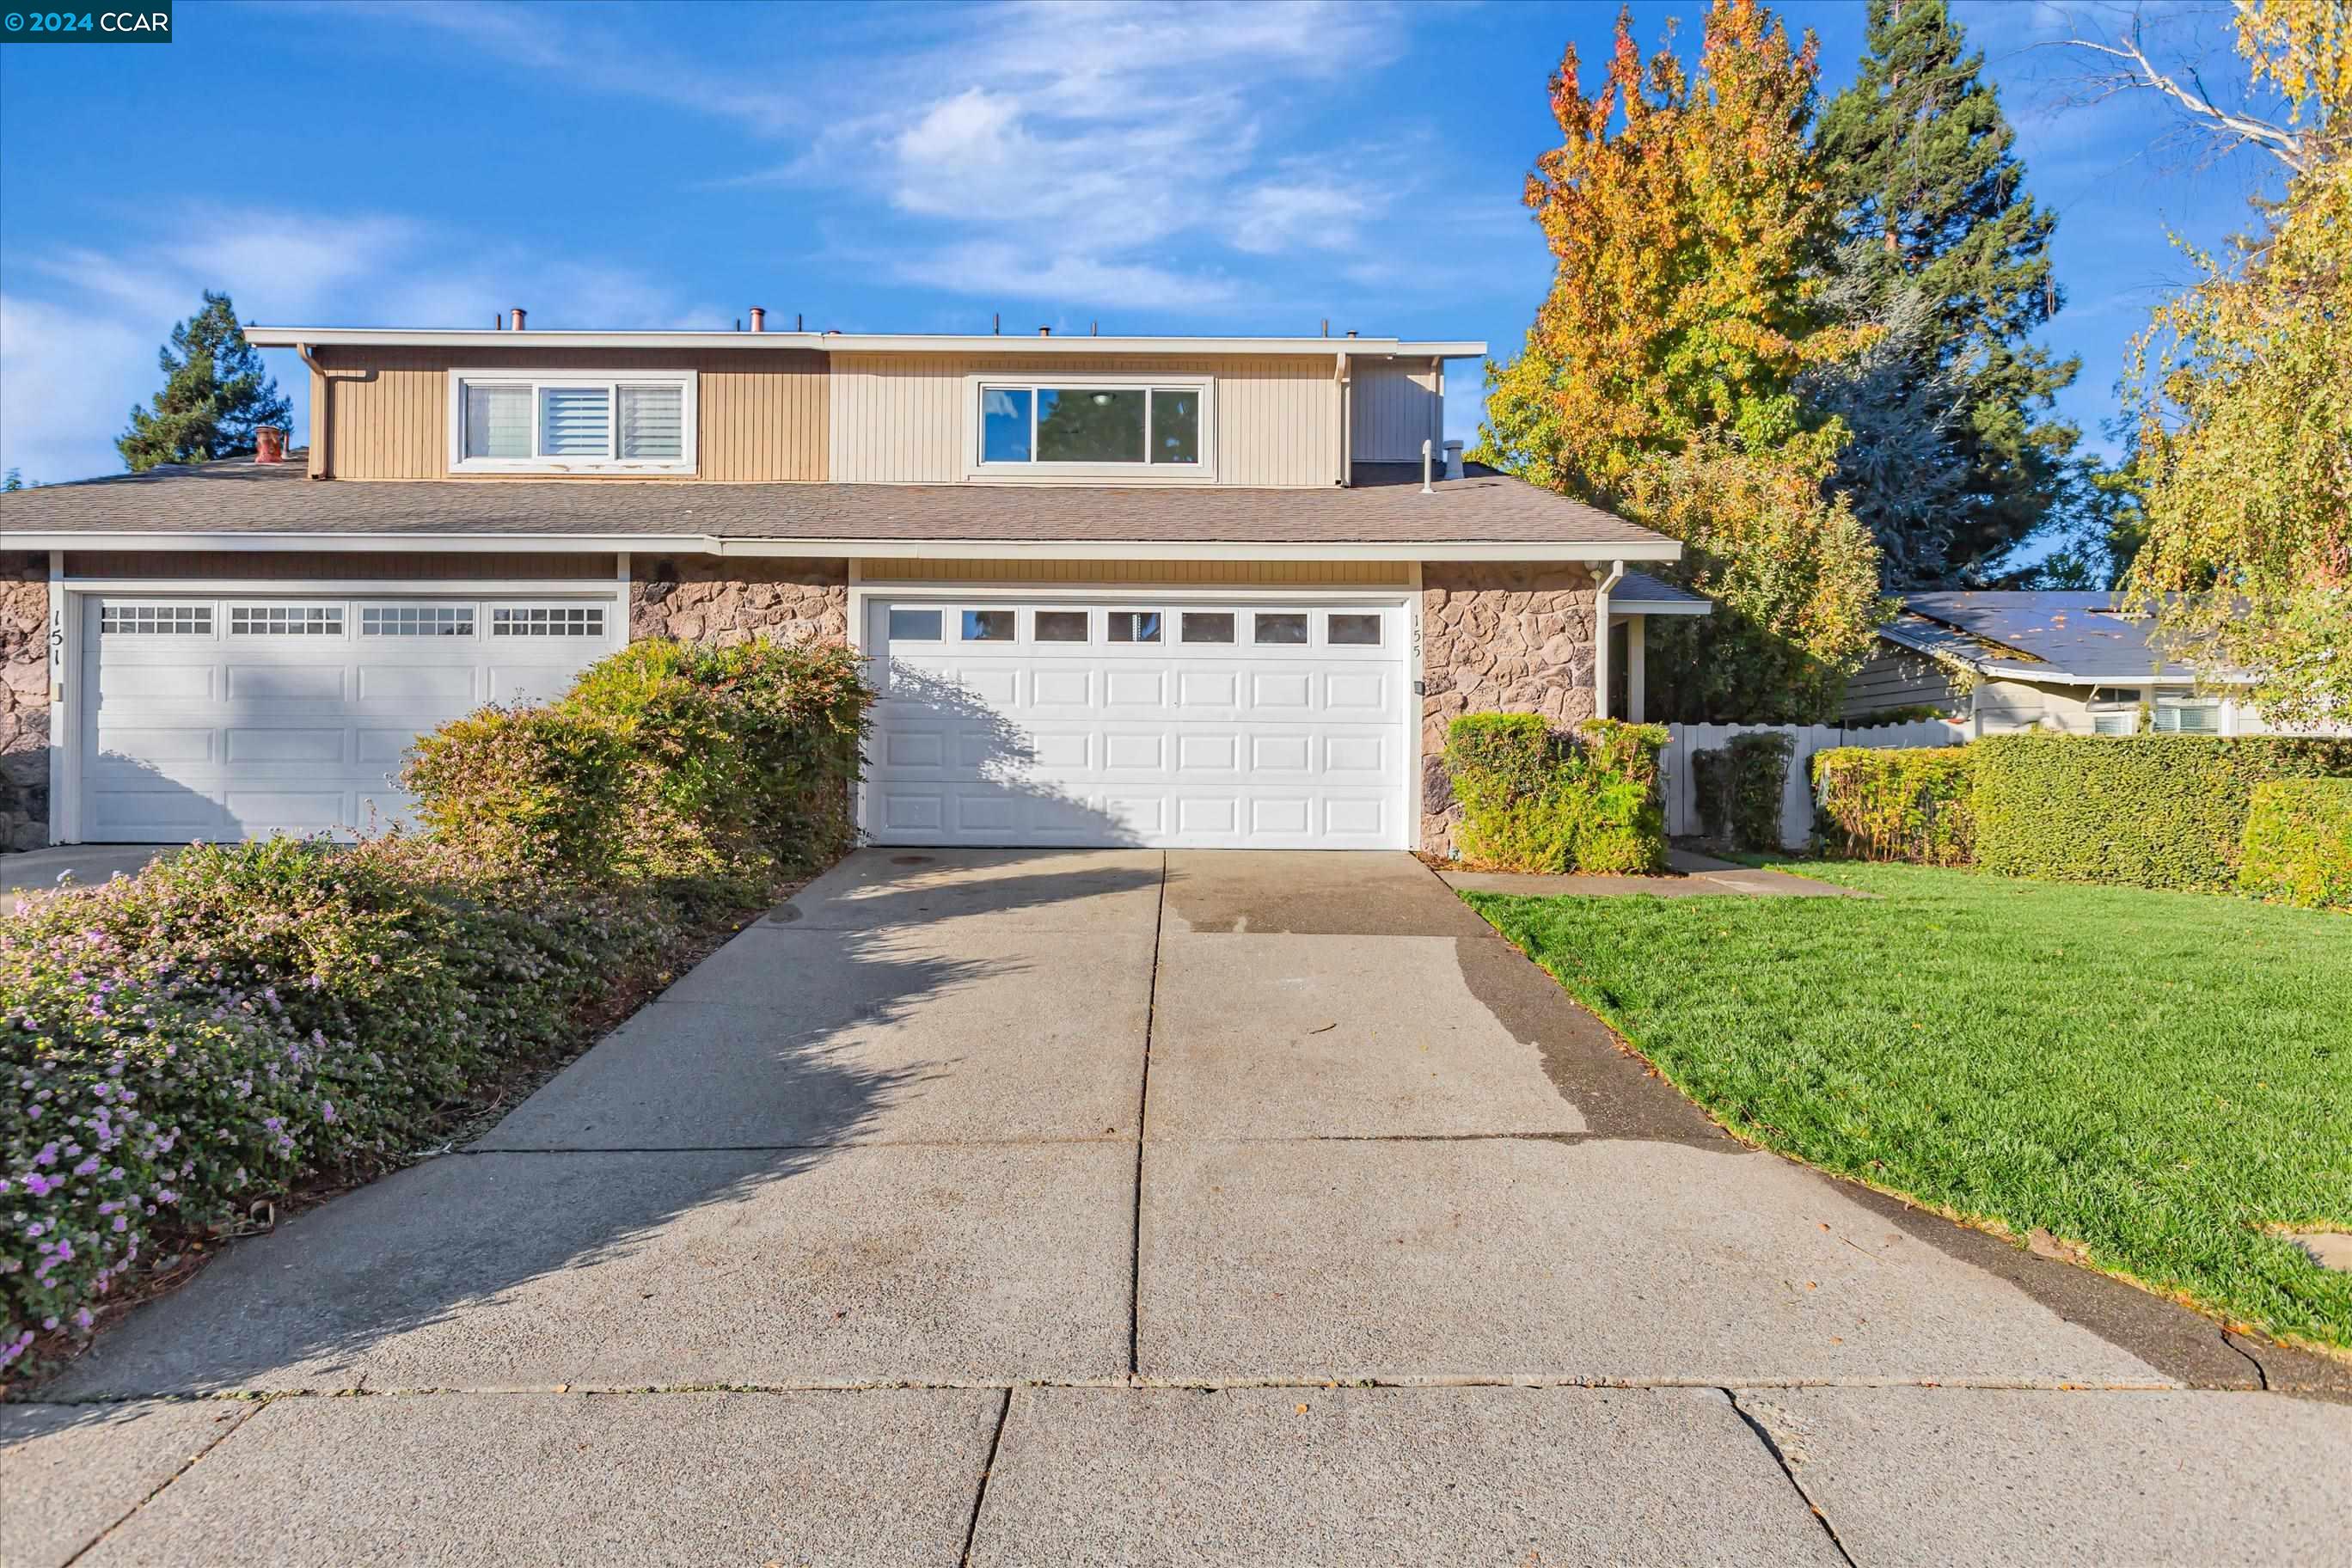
(562, 422)
(1046, 426)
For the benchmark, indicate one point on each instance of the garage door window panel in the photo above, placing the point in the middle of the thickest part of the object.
(155, 620)
(417, 621)
(1279, 628)
(1060, 626)
(1352, 630)
(1209, 626)
(1133, 625)
(991, 626)
(548, 621)
(286, 620)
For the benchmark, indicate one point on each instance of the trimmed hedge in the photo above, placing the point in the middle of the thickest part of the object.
(1740, 785)
(240, 1020)
(1906, 802)
(2156, 811)
(1536, 800)
(2298, 843)
(665, 758)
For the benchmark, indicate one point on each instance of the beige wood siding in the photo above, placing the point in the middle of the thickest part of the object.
(1395, 409)
(900, 418)
(1234, 573)
(385, 412)
(339, 566)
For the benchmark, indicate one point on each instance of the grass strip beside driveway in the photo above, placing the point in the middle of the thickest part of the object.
(2158, 1078)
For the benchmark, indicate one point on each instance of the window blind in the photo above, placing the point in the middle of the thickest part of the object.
(575, 422)
(653, 421)
(497, 421)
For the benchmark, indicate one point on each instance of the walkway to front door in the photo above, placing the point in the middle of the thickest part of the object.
(1123, 1206)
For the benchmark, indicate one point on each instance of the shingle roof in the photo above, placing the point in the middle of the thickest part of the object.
(1384, 506)
(2064, 632)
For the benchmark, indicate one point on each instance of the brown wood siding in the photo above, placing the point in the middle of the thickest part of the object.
(900, 418)
(762, 412)
(339, 566)
(1237, 573)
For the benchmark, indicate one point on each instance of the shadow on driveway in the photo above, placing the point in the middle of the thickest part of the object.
(688, 1263)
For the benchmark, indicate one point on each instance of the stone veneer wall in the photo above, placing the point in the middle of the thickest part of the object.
(1498, 637)
(702, 599)
(24, 699)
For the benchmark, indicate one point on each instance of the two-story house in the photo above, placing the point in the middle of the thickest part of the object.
(1154, 591)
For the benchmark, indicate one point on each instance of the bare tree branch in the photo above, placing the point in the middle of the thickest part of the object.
(2134, 70)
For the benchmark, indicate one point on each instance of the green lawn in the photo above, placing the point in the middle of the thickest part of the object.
(2158, 1077)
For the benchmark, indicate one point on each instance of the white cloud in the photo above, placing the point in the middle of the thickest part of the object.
(1296, 214)
(993, 268)
(1083, 153)
(78, 345)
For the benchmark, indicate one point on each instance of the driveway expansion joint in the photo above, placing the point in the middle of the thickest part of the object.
(157, 1490)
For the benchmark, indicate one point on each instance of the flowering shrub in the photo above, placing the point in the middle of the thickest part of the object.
(240, 1018)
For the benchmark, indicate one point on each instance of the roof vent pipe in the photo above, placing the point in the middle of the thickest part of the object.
(518, 317)
(1351, 331)
(800, 322)
(1425, 488)
(1045, 332)
(1453, 460)
(759, 320)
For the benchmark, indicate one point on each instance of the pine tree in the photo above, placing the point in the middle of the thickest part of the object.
(216, 394)
(1921, 158)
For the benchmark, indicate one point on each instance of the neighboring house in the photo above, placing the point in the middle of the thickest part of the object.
(1150, 591)
(2065, 660)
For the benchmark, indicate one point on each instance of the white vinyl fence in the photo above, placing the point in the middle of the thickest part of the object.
(1797, 798)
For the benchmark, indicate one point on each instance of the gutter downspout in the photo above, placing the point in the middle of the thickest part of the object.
(1600, 639)
(324, 420)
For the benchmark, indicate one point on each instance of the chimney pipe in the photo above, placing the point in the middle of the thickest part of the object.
(518, 317)
(1045, 332)
(759, 320)
(1351, 331)
(1453, 460)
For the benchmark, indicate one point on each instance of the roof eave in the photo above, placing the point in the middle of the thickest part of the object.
(849, 342)
(876, 548)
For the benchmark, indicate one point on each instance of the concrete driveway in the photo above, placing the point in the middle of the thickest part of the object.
(1104, 1207)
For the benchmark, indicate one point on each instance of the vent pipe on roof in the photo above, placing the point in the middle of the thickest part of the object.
(1045, 332)
(1453, 460)
(799, 323)
(1351, 331)
(759, 320)
(518, 317)
(996, 324)
(1425, 488)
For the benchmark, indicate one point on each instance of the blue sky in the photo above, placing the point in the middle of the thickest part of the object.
(1190, 169)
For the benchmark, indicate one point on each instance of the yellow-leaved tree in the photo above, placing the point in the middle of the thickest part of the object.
(1690, 227)
(2243, 392)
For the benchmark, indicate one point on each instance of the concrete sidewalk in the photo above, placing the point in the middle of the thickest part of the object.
(1121, 1207)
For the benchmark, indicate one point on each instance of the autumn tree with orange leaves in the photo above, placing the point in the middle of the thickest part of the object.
(1691, 228)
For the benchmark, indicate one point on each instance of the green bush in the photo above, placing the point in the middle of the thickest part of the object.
(1536, 800)
(1896, 803)
(1739, 787)
(665, 759)
(2298, 843)
(2156, 811)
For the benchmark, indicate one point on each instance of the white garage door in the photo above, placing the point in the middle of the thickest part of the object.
(1150, 722)
(240, 717)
